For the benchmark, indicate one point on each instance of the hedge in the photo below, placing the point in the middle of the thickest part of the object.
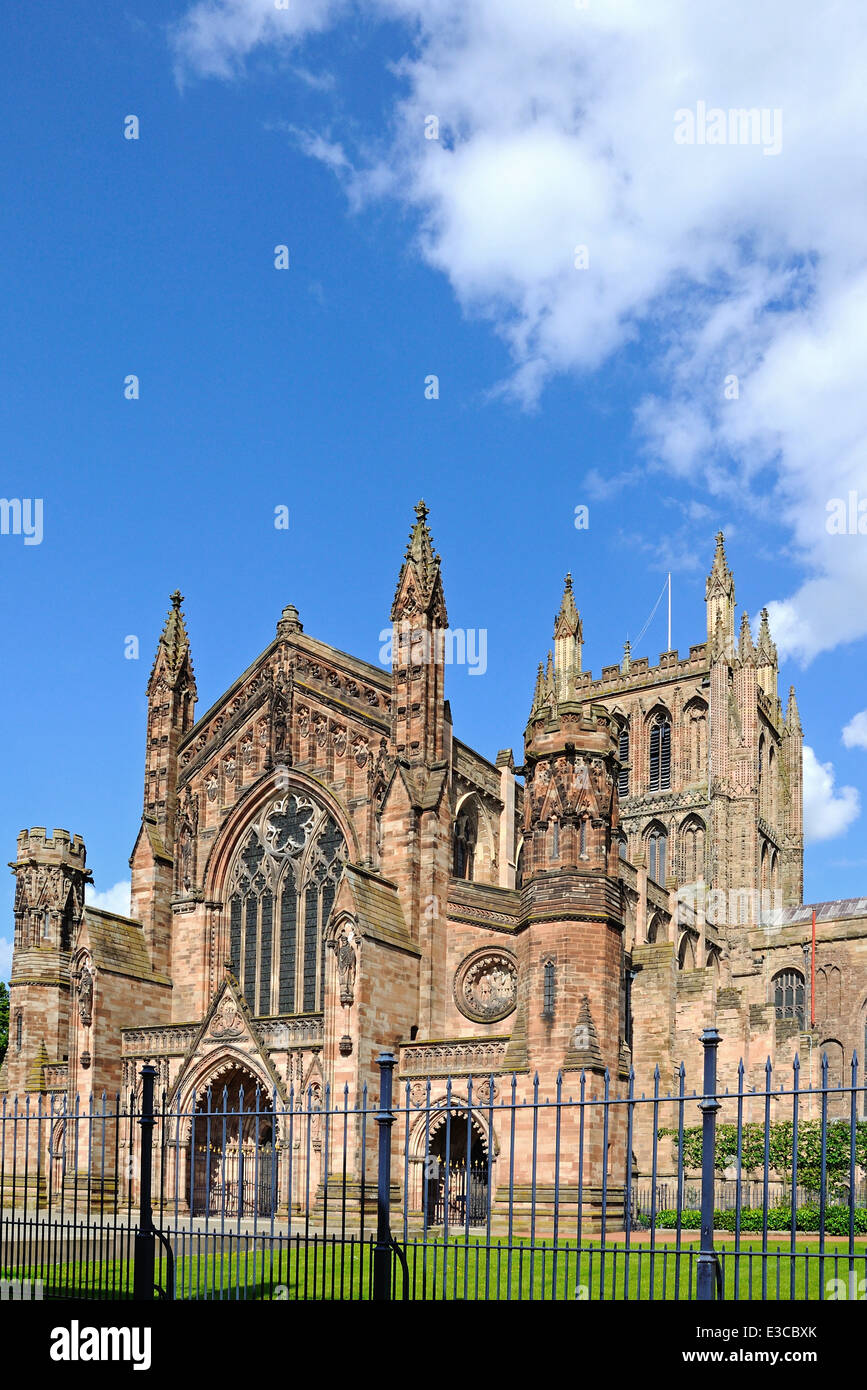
(779, 1219)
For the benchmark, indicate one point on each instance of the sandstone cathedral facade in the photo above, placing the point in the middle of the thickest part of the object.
(323, 870)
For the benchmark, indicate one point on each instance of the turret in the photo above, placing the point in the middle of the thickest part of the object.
(51, 875)
(171, 696)
(419, 622)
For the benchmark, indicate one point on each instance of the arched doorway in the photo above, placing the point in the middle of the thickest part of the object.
(454, 1159)
(233, 1167)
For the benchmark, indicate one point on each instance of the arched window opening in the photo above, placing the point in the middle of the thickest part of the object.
(696, 741)
(555, 840)
(623, 847)
(788, 990)
(657, 848)
(582, 837)
(548, 990)
(19, 1031)
(660, 755)
(281, 891)
(833, 1050)
(686, 953)
(623, 755)
(692, 850)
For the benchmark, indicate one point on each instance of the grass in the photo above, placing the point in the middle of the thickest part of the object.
(246, 1267)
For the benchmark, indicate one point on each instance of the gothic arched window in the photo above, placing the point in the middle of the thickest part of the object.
(692, 842)
(695, 715)
(659, 779)
(657, 847)
(281, 891)
(788, 987)
(623, 755)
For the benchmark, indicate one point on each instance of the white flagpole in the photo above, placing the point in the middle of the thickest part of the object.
(669, 610)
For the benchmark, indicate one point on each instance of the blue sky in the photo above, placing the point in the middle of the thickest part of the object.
(410, 257)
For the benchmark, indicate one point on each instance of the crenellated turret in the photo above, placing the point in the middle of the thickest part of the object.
(51, 875)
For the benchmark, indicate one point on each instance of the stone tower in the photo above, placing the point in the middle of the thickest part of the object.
(50, 874)
(171, 697)
(570, 949)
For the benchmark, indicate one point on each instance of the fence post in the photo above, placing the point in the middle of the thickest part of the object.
(145, 1241)
(385, 1120)
(708, 1266)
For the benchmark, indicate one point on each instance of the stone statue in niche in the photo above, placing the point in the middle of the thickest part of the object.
(346, 966)
(85, 996)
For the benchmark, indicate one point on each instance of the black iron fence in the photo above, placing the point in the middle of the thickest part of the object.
(467, 1187)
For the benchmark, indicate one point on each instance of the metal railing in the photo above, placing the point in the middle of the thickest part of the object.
(467, 1187)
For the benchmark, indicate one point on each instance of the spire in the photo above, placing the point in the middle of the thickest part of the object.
(719, 596)
(174, 644)
(720, 564)
(746, 650)
(767, 652)
(568, 638)
(420, 573)
(793, 718)
(567, 622)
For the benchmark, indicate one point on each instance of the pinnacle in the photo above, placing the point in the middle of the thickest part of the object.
(174, 644)
(420, 557)
(567, 622)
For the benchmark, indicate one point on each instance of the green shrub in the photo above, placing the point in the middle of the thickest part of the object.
(779, 1219)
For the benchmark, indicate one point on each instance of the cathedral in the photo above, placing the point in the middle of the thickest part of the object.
(323, 870)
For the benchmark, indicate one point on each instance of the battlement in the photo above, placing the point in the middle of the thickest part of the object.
(59, 848)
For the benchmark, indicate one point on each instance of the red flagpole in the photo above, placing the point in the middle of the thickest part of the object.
(813, 976)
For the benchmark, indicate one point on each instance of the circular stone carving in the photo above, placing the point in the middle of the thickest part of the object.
(486, 986)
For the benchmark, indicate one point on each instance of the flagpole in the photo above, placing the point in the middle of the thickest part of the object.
(669, 611)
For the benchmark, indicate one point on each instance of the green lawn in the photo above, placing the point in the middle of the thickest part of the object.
(238, 1268)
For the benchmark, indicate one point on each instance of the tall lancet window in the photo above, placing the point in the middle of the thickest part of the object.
(660, 755)
(623, 755)
(657, 846)
(281, 891)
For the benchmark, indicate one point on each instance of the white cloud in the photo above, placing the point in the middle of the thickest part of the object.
(828, 812)
(5, 958)
(855, 732)
(114, 899)
(557, 130)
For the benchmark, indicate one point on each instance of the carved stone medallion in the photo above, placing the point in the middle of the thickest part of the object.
(486, 986)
